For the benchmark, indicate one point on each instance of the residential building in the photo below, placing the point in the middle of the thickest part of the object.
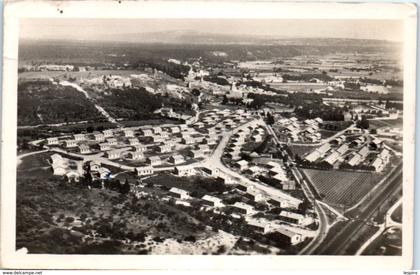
(212, 201)
(52, 141)
(104, 146)
(112, 141)
(113, 154)
(84, 149)
(154, 160)
(133, 141)
(144, 170)
(70, 143)
(136, 155)
(140, 148)
(179, 193)
(108, 133)
(128, 133)
(242, 164)
(243, 208)
(79, 137)
(289, 236)
(98, 137)
(164, 148)
(176, 159)
(184, 171)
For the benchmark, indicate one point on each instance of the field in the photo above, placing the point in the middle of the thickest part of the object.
(386, 123)
(341, 188)
(389, 243)
(300, 150)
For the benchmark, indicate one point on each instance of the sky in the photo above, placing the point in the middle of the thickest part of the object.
(108, 29)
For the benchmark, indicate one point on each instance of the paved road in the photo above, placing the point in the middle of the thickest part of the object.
(342, 239)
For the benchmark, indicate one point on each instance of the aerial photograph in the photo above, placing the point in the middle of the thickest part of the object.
(209, 137)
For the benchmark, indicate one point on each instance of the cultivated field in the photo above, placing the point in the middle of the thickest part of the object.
(386, 123)
(341, 188)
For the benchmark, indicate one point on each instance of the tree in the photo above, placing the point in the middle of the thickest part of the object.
(363, 123)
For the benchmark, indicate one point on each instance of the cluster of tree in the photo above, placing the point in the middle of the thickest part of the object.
(217, 79)
(172, 69)
(42, 102)
(395, 105)
(363, 123)
(307, 77)
(345, 165)
(313, 110)
(355, 86)
(372, 81)
(394, 83)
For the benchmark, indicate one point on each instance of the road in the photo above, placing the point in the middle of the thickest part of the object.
(337, 244)
(214, 161)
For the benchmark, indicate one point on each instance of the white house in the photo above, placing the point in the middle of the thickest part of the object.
(136, 155)
(179, 193)
(212, 201)
(128, 133)
(242, 164)
(113, 154)
(290, 236)
(99, 137)
(144, 170)
(112, 141)
(52, 141)
(195, 153)
(174, 130)
(164, 148)
(157, 130)
(140, 148)
(295, 218)
(70, 143)
(133, 141)
(176, 159)
(184, 171)
(108, 133)
(187, 140)
(79, 137)
(104, 146)
(147, 132)
(84, 149)
(243, 208)
(154, 160)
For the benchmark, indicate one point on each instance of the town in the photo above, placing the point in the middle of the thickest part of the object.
(208, 152)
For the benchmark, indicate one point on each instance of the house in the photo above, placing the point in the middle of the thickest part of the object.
(103, 173)
(203, 147)
(108, 133)
(211, 171)
(289, 236)
(104, 146)
(113, 154)
(84, 149)
(174, 130)
(183, 127)
(242, 208)
(378, 164)
(288, 185)
(99, 137)
(112, 141)
(135, 155)
(59, 165)
(295, 218)
(212, 201)
(179, 193)
(313, 156)
(70, 143)
(195, 153)
(144, 170)
(157, 139)
(364, 152)
(128, 133)
(261, 227)
(272, 164)
(278, 202)
(255, 195)
(140, 148)
(209, 141)
(384, 155)
(52, 141)
(355, 160)
(79, 137)
(164, 148)
(154, 160)
(254, 170)
(324, 148)
(343, 149)
(242, 164)
(226, 179)
(187, 140)
(73, 176)
(147, 132)
(332, 158)
(176, 159)
(184, 171)
(133, 141)
(157, 130)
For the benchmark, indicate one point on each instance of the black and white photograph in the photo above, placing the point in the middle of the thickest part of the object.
(211, 136)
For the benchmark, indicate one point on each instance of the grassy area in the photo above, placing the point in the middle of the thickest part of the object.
(397, 214)
(57, 217)
(340, 188)
(300, 150)
(393, 123)
(389, 243)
